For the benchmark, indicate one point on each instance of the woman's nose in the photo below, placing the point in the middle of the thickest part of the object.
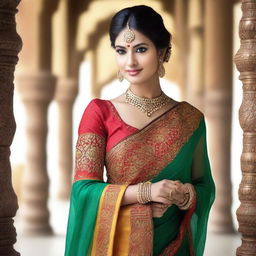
(131, 61)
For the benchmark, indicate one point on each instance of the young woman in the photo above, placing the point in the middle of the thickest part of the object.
(159, 190)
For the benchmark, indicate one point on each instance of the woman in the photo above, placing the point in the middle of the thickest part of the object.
(159, 191)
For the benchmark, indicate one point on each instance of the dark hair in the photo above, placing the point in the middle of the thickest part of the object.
(144, 19)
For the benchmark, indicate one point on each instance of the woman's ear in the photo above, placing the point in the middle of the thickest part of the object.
(161, 53)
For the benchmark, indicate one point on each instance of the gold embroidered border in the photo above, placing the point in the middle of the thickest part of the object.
(141, 240)
(141, 156)
(106, 220)
(90, 155)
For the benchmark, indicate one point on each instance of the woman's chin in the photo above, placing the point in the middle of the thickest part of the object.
(136, 80)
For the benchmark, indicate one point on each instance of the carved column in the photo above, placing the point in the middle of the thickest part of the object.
(10, 45)
(36, 86)
(245, 60)
(218, 104)
(180, 11)
(195, 84)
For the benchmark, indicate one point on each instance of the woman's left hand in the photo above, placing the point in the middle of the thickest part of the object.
(158, 209)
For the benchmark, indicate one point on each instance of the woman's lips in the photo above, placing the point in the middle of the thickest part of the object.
(133, 72)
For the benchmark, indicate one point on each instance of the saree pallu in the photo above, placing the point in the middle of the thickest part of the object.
(172, 147)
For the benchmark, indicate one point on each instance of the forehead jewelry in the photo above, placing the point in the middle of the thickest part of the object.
(129, 35)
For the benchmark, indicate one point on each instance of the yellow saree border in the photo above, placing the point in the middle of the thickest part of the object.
(105, 228)
(123, 232)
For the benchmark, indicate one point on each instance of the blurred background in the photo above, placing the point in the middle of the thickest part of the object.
(66, 60)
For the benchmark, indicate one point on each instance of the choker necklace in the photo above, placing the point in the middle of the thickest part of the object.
(148, 106)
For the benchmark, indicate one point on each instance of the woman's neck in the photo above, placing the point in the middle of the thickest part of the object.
(149, 89)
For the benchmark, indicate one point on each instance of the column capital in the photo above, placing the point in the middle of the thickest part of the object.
(36, 87)
(66, 89)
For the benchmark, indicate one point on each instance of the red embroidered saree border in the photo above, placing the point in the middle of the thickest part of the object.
(104, 234)
(142, 155)
(141, 223)
(174, 246)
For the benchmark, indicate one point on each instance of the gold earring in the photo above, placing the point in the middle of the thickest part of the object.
(119, 76)
(161, 69)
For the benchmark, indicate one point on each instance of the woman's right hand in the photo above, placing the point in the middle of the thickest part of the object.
(162, 191)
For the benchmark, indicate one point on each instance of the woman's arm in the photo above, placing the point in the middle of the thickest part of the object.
(160, 192)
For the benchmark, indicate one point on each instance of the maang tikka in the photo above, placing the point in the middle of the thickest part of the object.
(129, 35)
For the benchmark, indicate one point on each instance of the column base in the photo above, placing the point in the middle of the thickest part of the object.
(7, 237)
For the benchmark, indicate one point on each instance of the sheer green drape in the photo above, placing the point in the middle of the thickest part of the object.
(191, 165)
(205, 189)
(84, 202)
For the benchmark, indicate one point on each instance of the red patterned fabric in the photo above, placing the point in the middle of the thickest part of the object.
(101, 117)
(102, 141)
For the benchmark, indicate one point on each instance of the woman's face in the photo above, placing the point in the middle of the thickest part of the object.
(138, 60)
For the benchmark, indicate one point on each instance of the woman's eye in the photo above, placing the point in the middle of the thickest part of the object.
(141, 49)
(120, 51)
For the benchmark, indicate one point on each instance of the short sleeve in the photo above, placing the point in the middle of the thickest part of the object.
(91, 145)
(92, 121)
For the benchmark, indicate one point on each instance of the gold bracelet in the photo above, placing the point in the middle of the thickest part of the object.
(144, 192)
(139, 197)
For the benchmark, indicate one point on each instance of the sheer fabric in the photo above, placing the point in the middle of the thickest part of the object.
(171, 147)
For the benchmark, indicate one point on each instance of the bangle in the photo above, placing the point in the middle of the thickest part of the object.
(144, 192)
(189, 197)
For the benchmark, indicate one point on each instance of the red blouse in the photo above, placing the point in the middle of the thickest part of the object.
(102, 118)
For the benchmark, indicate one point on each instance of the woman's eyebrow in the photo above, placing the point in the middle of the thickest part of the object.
(137, 45)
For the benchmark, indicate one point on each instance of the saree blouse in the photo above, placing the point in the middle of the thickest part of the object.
(172, 146)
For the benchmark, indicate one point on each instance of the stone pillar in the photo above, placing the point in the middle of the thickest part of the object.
(10, 45)
(195, 84)
(66, 69)
(65, 95)
(180, 12)
(36, 86)
(36, 92)
(245, 60)
(218, 104)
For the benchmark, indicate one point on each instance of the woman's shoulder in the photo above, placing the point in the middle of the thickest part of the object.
(92, 118)
(190, 111)
(96, 102)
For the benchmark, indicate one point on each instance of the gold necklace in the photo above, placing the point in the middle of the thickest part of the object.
(148, 106)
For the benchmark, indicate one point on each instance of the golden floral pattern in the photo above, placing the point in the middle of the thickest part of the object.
(107, 218)
(141, 156)
(90, 154)
(141, 239)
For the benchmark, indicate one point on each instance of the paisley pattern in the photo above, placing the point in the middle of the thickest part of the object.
(141, 223)
(106, 220)
(138, 157)
(90, 153)
(141, 156)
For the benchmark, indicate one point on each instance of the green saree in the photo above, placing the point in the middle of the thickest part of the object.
(173, 146)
